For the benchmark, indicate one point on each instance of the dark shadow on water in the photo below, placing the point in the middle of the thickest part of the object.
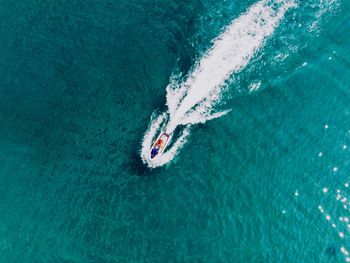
(138, 168)
(331, 251)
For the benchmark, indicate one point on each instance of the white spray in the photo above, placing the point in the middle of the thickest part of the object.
(191, 102)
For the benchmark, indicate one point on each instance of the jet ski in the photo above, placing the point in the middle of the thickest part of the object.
(159, 145)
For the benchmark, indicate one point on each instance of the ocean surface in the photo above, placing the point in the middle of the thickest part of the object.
(81, 82)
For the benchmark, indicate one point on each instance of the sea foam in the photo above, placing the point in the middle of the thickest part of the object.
(192, 101)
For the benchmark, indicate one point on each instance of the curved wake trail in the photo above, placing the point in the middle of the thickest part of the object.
(192, 101)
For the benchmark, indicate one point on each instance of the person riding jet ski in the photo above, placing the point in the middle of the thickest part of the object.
(159, 145)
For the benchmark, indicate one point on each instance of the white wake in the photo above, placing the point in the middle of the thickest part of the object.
(192, 101)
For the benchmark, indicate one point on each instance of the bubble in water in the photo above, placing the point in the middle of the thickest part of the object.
(254, 86)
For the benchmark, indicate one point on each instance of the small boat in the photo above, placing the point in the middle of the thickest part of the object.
(159, 145)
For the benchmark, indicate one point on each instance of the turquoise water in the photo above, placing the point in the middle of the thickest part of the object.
(79, 82)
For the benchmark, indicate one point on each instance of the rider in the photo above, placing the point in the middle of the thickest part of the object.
(159, 143)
